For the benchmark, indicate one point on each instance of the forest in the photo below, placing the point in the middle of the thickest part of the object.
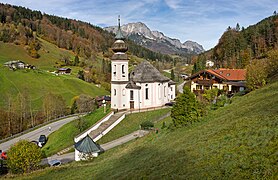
(238, 46)
(21, 25)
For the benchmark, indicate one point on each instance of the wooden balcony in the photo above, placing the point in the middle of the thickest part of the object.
(204, 82)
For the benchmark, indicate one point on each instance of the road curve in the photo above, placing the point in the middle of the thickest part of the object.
(34, 135)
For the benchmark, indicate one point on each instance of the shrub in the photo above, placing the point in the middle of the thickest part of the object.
(24, 157)
(147, 125)
(186, 110)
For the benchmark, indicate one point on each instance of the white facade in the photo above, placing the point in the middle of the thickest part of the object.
(148, 95)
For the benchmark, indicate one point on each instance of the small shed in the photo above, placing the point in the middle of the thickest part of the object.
(64, 70)
(86, 148)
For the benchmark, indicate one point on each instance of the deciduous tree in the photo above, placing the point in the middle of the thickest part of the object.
(23, 157)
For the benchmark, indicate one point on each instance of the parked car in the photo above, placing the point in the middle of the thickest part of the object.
(42, 140)
(170, 103)
(55, 162)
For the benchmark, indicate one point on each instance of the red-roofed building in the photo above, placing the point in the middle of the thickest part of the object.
(230, 80)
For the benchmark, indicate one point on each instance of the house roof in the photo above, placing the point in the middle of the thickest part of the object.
(224, 74)
(145, 72)
(232, 74)
(64, 69)
(87, 145)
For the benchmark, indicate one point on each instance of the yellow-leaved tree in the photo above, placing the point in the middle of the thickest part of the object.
(23, 157)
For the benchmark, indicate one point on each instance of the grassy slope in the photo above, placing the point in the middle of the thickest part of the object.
(239, 141)
(131, 123)
(38, 83)
(49, 54)
(63, 138)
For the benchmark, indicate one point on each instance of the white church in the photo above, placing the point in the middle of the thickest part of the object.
(144, 87)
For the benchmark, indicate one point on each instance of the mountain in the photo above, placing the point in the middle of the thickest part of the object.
(157, 41)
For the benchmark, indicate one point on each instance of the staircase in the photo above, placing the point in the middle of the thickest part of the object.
(105, 125)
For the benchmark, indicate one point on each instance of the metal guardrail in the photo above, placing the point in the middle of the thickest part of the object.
(38, 126)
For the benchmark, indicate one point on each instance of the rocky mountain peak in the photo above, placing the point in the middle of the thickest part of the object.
(157, 41)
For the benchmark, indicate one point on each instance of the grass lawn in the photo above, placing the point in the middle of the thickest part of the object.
(238, 141)
(64, 137)
(131, 123)
(38, 83)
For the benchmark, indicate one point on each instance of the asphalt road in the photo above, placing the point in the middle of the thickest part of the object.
(34, 135)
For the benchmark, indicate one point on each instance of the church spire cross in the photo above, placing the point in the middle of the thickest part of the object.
(119, 21)
(119, 35)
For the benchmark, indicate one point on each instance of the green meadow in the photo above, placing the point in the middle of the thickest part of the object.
(37, 83)
(238, 141)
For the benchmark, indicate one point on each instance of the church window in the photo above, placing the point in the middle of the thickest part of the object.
(164, 91)
(114, 92)
(131, 95)
(159, 92)
(123, 92)
(123, 70)
(115, 70)
(147, 93)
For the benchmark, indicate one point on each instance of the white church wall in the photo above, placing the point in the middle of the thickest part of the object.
(119, 96)
(119, 70)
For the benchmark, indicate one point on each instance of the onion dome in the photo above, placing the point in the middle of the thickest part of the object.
(119, 45)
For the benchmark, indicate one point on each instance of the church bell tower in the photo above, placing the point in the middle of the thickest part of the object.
(119, 72)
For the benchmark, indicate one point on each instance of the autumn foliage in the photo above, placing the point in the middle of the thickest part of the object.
(23, 157)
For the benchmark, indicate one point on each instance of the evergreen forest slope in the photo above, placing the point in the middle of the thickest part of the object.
(239, 46)
(238, 141)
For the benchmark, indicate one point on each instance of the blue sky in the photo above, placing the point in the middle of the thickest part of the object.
(203, 21)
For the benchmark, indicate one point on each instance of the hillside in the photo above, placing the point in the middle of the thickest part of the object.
(238, 141)
(22, 26)
(238, 46)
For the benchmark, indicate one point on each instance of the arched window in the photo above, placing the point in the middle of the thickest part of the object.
(123, 70)
(147, 93)
(131, 95)
(115, 70)
(114, 92)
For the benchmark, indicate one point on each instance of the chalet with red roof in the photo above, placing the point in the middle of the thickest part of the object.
(229, 80)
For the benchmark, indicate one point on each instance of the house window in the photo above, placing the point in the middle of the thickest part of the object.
(131, 95)
(198, 87)
(114, 92)
(147, 93)
(228, 74)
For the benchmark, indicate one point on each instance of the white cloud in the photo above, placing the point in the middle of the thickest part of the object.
(173, 4)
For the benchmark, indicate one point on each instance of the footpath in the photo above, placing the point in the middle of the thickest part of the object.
(68, 157)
